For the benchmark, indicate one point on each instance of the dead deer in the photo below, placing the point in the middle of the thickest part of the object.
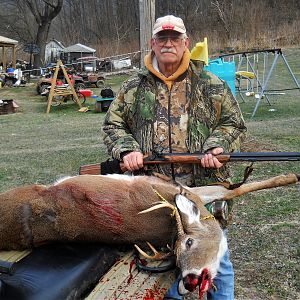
(117, 209)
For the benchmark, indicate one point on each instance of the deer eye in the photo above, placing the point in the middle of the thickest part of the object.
(189, 243)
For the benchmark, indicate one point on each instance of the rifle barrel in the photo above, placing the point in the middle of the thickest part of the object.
(224, 157)
(265, 156)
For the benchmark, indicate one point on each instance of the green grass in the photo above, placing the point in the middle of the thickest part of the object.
(280, 105)
(40, 148)
(115, 81)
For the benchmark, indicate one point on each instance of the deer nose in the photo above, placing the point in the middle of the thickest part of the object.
(191, 281)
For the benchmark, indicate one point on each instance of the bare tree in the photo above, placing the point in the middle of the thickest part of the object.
(112, 27)
(15, 24)
(44, 11)
(225, 12)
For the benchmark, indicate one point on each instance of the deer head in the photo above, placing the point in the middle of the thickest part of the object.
(199, 248)
(200, 242)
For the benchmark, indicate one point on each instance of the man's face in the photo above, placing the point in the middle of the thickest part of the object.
(169, 46)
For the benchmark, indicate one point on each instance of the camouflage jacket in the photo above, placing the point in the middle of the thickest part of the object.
(198, 113)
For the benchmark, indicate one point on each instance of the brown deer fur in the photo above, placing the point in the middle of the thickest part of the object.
(101, 208)
(106, 209)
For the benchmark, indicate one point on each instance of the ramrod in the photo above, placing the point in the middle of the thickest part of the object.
(108, 209)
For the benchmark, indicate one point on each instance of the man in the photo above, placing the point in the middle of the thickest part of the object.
(173, 106)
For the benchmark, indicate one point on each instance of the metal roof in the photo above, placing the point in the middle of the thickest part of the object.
(57, 42)
(79, 48)
(5, 40)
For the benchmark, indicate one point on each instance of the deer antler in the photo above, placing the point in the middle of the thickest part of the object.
(157, 255)
(159, 204)
(165, 203)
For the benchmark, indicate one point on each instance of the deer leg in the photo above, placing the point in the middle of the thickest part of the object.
(277, 181)
(26, 235)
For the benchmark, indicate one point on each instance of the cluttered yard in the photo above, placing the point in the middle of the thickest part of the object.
(264, 235)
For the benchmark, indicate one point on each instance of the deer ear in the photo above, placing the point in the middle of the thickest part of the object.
(188, 208)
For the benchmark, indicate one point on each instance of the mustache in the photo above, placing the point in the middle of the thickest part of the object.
(168, 50)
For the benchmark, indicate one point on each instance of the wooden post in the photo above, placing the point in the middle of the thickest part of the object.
(52, 90)
(14, 50)
(70, 84)
(4, 59)
(147, 18)
(53, 84)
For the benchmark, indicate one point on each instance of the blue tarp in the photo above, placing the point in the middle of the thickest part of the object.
(224, 70)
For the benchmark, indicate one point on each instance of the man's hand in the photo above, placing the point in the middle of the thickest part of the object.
(133, 161)
(209, 161)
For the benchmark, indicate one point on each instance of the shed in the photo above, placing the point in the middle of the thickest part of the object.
(53, 50)
(5, 44)
(72, 53)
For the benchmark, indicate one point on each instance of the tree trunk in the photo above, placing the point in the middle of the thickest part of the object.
(44, 11)
(41, 38)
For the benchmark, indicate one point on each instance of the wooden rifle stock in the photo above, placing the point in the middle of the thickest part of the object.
(195, 158)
